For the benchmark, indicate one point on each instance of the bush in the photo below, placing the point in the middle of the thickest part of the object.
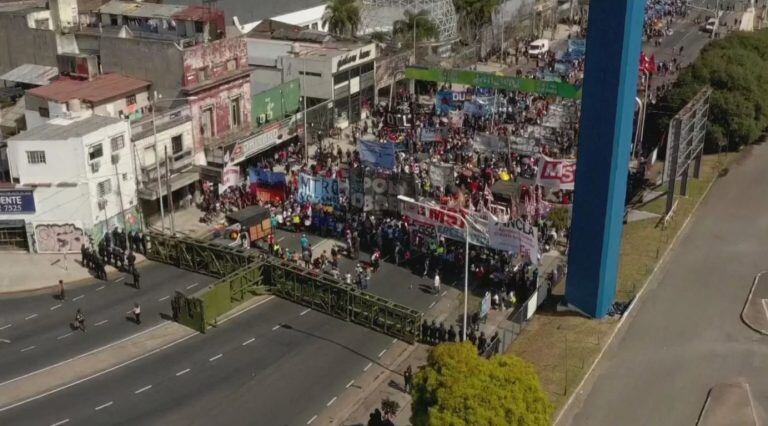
(457, 387)
(560, 217)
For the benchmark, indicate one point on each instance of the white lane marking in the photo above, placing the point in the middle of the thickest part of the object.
(28, 348)
(280, 239)
(216, 357)
(765, 307)
(77, 382)
(72, 359)
(444, 293)
(394, 341)
(312, 419)
(276, 327)
(246, 309)
(182, 372)
(100, 288)
(103, 406)
(31, 316)
(64, 335)
(78, 297)
(5, 341)
(100, 323)
(368, 366)
(5, 326)
(304, 312)
(331, 401)
(56, 306)
(382, 353)
(59, 423)
(119, 279)
(162, 298)
(349, 384)
(192, 285)
(143, 389)
(432, 305)
(249, 341)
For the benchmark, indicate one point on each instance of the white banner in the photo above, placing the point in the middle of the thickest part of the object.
(516, 236)
(441, 174)
(556, 174)
(448, 225)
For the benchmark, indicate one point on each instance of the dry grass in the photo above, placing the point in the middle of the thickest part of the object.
(543, 342)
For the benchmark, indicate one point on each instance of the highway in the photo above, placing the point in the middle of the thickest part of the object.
(36, 330)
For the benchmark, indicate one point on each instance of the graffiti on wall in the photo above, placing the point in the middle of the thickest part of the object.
(59, 238)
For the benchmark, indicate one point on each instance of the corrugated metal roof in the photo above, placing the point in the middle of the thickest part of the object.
(101, 88)
(251, 11)
(141, 9)
(60, 129)
(38, 75)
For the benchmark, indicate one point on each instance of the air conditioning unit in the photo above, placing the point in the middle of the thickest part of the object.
(269, 115)
(102, 204)
(95, 166)
(262, 118)
(115, 158)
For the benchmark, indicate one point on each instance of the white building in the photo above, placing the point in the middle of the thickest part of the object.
(81, 176)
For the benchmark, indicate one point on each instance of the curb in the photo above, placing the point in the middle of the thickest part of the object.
(640, 294)
(746, 304)
(709, 396)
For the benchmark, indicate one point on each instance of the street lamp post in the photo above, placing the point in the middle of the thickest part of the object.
(466, 251)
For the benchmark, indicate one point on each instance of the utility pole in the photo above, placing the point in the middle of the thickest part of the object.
(304, 98)
(168, 190)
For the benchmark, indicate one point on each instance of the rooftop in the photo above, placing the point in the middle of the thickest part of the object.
(102, 88)
(38, 75)
(60, 129)
(141, 9)
(251, 11)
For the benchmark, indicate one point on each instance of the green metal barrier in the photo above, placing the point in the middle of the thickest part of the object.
(188, 311)
(196, 255)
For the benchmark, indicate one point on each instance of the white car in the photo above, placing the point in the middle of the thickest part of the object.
(710, 26)
(538, 48)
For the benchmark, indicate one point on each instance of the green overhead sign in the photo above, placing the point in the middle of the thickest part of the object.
(494, 81)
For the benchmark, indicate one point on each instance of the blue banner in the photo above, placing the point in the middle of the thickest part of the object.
(318, 189)
(377, 154)
(266, 177)
(444, 102)
(17, 201)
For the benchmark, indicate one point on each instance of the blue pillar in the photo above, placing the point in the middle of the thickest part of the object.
(608, 103)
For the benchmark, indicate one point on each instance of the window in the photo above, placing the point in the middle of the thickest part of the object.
(104, 188)
(340, 78)
(113, 20)
(44, 112)
(95, 152)
(311, 74)
(130, 100)
(199, 25)
(117, 143)
(234, 111)
(231, 65)
(43, 24)
(36, 157)
(125, 176)
(176, 144)
(366, 68)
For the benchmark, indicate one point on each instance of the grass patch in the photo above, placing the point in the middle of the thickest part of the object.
(543, 342)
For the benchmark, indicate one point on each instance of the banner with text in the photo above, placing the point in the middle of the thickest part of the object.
(441, 174)
(377, 154)
(318, 189)
(516, 236)
(370, 190)
(556, 174)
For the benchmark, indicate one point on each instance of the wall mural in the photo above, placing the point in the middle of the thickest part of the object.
(55, 238)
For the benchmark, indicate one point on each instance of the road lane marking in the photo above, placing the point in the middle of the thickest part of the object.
(100, 288)
(119, 279)
(382, 353)
(192, 285)
(59, 423)
(182, 372)
(249, 341)
(162, 298)
(5, 341)
(101, 373)
(304, 312)
(5, 326)
(312, 419)
(276, 327)
(246, 309)
(100, 323)
(103, 406)
(280, 239)
(349, 384)
(331, 401)
(28, 348)
(432, 305)
(394, 341)
(444, 293)
(368, 366)
(765, 307)
(64, 335)
(31, 316)
(143, 389)
(216, 357)
(56, 306)
(78, 297)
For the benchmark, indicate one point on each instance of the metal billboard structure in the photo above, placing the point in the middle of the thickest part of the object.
(685, 144)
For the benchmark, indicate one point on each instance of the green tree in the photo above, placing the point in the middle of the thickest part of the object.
(457, 387)
(560, 218)
(424, 27)
(342, 17)
(473, 15)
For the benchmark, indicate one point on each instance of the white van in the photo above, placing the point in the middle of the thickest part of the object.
(538, 48)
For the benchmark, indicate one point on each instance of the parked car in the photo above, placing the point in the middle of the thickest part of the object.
(710, 25)
(538, 48)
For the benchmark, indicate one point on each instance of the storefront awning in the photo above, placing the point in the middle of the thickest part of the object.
(178, 181)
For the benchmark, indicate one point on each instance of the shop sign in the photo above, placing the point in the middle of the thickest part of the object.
(17, 201)
(352, 58)
(270, 136)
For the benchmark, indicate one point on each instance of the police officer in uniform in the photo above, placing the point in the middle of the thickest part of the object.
(136, 278)
(130, 259)
(102, 248)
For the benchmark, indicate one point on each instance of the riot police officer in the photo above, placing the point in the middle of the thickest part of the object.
(451, 334)
(130, 259)
(136, 278)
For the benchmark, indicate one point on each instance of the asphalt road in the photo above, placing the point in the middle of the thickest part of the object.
(277, 364)
(686, 335)
(38, 327)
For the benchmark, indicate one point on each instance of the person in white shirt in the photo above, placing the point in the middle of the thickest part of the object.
(437, 283)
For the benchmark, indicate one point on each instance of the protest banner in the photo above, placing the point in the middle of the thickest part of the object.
(318, 189)
(447, 222)
(441, 174)
(377, 154)
(556, 174)
(370, 190)
(430, 134)
(489, 143)
(516, 236)
(230, 177)
(266, 177)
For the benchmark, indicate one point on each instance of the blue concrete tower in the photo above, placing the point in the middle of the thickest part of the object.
(608, 102)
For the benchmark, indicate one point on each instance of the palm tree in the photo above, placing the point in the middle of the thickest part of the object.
(419, 23)
(342, 17)
(474, 14)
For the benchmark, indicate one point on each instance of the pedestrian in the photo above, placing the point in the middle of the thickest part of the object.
(61, 290)
(130, 259)
(408, 379)
(437, 283)
(80, 320)
(451, 334)
(136, 278)
(137, 313)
